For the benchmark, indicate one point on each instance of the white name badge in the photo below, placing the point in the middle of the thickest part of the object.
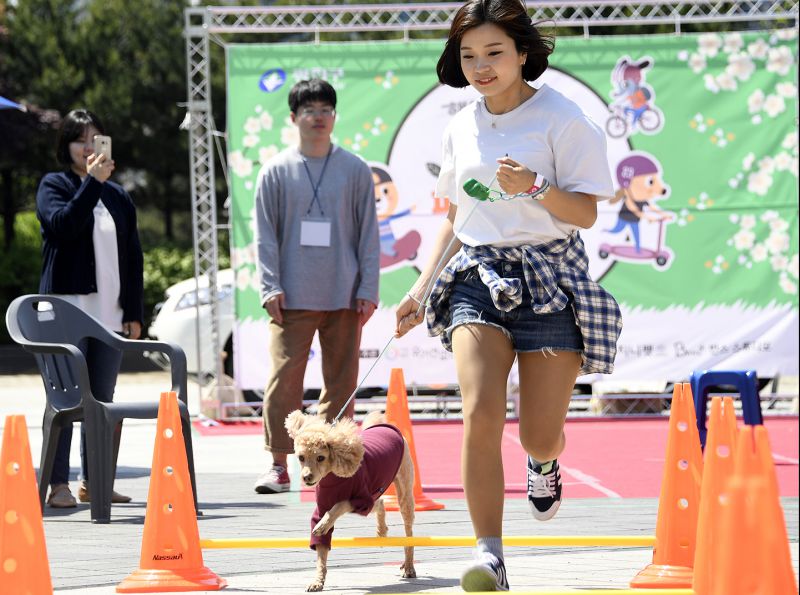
(315, 232)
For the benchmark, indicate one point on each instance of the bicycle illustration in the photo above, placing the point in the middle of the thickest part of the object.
(625, 118)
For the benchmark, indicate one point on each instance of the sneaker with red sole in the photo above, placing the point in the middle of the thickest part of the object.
(274, 481)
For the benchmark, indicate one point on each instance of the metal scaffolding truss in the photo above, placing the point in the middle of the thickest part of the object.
(215, 22)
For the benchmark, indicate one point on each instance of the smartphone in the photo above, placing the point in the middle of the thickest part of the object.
(102, 144)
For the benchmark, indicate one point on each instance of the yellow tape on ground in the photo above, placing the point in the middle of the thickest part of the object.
(442, 541)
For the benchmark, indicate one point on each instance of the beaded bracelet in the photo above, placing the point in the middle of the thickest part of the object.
(539, 189)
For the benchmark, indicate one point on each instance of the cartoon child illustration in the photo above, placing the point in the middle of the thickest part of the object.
(634, 96)
(639, 178)
(387, 199)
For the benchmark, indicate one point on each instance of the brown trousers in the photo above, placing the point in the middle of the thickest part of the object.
(290, 345)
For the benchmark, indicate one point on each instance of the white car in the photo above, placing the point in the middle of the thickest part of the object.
(174, 321)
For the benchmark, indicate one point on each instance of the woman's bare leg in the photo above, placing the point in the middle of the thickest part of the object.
(483, 357)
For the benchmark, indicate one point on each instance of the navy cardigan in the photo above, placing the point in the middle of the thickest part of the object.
(64, 206)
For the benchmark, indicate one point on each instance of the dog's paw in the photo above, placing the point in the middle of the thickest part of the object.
(321, 528)
(408, 571)
(315, 586)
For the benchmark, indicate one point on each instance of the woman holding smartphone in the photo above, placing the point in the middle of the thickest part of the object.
(91, 257)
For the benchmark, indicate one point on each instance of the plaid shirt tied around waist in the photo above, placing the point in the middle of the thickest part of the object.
(554, 271)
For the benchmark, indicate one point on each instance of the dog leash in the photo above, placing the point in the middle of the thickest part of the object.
(476, 190)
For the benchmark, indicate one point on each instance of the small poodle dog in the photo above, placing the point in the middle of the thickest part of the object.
(351, 470)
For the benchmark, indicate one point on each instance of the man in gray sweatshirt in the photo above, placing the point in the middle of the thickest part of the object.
(318, 258)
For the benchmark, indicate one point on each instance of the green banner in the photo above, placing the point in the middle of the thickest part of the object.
(702, 135)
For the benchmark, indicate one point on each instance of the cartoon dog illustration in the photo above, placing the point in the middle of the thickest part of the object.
(640, 185)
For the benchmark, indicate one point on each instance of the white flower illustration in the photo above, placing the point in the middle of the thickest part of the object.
(774, 105)
(780, 60)
(744, 239)
(748, 160)
(267, 153)
(759, 253)
(759, 182)
(748, 221)
(787, 285)
(793, 269)
(290, 136)
(779, 225)
(786, 34)
(709, 44)
(783, 161)
(252, 125)
(244, 278)
(790, 141)
(697, 62)
(769, 215)
(266, 121)
(711, 83)
(777, 242)
(758, 49)
(726, 82)
(239, 164)
(767, 164)
(755, 103)
(741, 66)
(787, 90)
(779, 262)
(733, 43)
(250, 140)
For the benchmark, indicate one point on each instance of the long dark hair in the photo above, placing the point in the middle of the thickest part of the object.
(512, 17)
(72, 128)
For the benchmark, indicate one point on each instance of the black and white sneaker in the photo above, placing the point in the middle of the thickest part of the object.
(544, 490)
(487, 573)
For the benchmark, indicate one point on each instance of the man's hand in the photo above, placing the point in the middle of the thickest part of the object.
(275, 306)
(365, 309)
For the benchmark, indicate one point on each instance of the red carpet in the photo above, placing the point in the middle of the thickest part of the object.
(604, 458)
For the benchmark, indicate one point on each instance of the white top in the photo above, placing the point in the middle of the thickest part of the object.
(551, 136)
(104, 304)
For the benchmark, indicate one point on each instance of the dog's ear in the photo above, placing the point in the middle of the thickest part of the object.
(345, 447)
(294, 421)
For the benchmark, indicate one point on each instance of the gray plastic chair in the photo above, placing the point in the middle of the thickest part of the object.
(52, 334)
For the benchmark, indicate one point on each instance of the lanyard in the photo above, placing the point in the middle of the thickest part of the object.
(315, 187)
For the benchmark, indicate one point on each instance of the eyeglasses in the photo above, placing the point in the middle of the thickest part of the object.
(325, 112)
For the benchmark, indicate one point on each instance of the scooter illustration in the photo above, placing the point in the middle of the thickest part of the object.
(659, 254)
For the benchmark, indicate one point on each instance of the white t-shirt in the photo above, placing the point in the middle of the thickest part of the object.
(104, 304)
(551, 136)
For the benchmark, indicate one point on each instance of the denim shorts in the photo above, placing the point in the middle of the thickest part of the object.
(471, 303)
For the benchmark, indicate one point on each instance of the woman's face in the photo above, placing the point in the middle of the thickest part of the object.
(81, 148)
(490, 60)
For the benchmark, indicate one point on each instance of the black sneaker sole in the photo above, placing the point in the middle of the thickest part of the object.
(268, 490)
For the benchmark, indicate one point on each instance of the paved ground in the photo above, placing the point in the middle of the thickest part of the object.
(93, 559)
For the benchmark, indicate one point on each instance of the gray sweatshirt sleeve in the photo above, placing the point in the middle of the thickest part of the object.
(368, 245)
(266, 215)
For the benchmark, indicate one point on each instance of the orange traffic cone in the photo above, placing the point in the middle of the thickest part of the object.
(171, 558)
(753, 558)
(718, 468)
(679, 502)
(397, 414)
(763, 525)
(24, 570)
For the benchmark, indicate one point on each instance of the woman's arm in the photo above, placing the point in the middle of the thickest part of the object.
(576, 208)
(409, 313)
